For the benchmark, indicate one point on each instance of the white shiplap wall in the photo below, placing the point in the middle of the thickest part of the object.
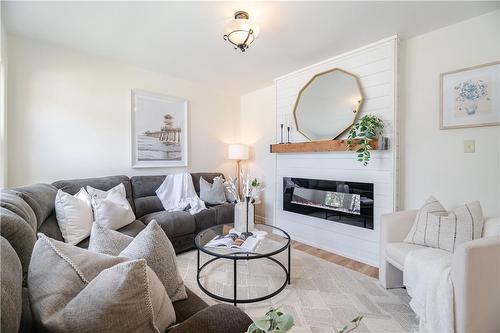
(376, 67)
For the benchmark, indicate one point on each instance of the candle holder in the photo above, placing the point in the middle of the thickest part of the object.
(281, 134)
(288, 134)
(247, 233)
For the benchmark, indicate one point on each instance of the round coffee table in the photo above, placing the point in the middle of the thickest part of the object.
(272, 243)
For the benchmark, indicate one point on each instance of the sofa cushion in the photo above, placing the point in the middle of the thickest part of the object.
(224, 214)
(11, 277)
(72, 186)
(40, 197)
(187, 307)
(12, 201)
(174, 224)
(205, 219)
(50, 228)
(147, 205)
(66, 284)
(20, 235)
(143, 190)
(396, 252)
(216, 318)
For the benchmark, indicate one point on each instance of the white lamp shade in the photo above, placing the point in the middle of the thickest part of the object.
(237, 152)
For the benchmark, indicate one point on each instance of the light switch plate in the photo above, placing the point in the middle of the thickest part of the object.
(469, 146)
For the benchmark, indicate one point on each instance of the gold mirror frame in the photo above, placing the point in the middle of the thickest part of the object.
(355, 111)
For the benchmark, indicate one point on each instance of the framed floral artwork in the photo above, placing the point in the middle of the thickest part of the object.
(470, 97)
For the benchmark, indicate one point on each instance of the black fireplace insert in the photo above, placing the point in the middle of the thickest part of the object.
(339, 201)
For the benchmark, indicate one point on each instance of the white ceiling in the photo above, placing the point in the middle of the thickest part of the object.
(184, 39)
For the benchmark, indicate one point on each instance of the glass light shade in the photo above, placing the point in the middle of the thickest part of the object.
(237, 31)
(237, 152)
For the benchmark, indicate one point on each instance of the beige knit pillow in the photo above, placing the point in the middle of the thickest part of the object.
(75, 290)
(151, 244)
(436, 227)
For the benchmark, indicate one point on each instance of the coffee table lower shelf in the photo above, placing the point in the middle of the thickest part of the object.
(235, 299)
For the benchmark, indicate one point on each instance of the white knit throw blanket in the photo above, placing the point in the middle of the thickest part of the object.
(427, 277)
(177, 192)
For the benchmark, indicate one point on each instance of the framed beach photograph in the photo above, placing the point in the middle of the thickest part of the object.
(470, 97)
(158, 130)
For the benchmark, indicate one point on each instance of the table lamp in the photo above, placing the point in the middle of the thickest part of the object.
(238, 152)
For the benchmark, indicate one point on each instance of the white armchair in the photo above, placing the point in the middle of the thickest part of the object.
(475, 271)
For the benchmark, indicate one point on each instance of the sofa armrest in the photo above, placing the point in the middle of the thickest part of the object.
(394, 227)
(475, 274)
(214, 319)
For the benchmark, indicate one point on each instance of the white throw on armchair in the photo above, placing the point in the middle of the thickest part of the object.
(475, 271)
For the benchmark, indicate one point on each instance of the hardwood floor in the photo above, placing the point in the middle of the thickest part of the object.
(335, 258)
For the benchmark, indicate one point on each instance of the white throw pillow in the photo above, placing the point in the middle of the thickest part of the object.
(212, 194)
(436, 227)
(74, 215)
(111, 208)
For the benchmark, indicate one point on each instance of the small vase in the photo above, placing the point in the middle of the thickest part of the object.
(240, 216)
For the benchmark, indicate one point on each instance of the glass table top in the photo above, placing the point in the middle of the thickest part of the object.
(271, 240)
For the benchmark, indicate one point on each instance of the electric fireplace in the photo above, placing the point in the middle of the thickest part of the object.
(338, 201)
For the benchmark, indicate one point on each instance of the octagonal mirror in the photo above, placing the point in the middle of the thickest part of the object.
(327, 105)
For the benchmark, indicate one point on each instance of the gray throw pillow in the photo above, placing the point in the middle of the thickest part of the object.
(151, 244)
(214, 193)
(107, 241)
(434, 226)
(75, 290)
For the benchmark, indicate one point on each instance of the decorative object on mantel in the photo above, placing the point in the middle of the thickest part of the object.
(241, 32)
(328, 104)
(159, 130)
(470, 97)
(325, 146)
(365, 130)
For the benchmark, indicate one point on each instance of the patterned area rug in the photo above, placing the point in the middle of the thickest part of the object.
(322, 295)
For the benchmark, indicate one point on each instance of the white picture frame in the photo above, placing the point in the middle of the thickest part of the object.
(470, 97)
(158, 131)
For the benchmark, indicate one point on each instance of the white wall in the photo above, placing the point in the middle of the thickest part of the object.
(69, 115)
(433, 160)
(257, 124)
(3, 102)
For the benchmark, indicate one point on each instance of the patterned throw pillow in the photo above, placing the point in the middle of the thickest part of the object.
(436, 227)
(75, 290)
(151, 244)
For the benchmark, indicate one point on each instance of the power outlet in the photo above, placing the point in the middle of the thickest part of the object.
(469, 146)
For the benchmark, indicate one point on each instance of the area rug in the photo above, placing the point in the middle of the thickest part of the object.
(322, 296)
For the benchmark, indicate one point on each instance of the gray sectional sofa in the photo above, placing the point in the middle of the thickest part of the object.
(26, 210)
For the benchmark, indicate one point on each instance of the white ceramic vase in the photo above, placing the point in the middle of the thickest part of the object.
(240, 216)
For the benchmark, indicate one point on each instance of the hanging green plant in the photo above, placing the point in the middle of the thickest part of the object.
(365, 129)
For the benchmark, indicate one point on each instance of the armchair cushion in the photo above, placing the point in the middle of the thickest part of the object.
(396, 252)
(438, 228)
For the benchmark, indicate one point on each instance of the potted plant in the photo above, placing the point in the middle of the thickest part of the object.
(366, 129)
(275, 321)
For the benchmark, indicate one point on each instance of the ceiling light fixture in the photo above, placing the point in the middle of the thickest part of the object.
(241, 32)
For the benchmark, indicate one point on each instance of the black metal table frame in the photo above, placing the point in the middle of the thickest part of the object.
(248, 256)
